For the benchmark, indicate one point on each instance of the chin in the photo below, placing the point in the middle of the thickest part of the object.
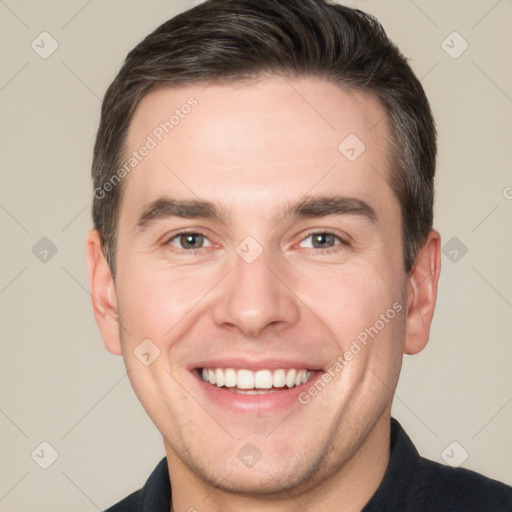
(270, 476)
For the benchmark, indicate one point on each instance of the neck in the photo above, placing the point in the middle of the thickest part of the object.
(347, 488)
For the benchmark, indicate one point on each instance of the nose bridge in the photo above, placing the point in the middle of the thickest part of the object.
(254, 297)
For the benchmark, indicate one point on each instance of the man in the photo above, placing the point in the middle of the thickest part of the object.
(263, 255)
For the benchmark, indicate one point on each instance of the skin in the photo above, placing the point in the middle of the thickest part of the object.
(253, 149)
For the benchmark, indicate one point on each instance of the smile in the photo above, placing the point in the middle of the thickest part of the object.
(246, 381)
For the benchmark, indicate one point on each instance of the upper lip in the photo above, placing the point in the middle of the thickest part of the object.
(246, 364)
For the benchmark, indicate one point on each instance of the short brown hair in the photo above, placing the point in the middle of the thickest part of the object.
(229, 40)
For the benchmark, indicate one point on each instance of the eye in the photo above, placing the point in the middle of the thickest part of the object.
(321, 240)
(189, 241)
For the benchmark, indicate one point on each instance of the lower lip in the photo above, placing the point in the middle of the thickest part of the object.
(267, 402)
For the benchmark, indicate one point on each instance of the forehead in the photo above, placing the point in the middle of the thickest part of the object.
(258, 144)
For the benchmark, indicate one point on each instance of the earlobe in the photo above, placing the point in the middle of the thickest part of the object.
(422, 293)
(103, 294)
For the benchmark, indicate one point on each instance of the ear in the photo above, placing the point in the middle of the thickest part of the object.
(103, 293)
(422, 293)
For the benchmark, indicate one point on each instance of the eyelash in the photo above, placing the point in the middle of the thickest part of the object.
(184, 233)
(335, 248)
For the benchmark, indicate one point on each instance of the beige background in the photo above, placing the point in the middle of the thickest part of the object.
(59, 385)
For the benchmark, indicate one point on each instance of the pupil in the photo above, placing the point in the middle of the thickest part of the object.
(322, 240)
(189, 241)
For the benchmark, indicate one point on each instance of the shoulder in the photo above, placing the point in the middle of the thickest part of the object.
(154, 496)
(418, 484)
(458, 489)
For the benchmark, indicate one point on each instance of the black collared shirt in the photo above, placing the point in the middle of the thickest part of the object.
(410, 484)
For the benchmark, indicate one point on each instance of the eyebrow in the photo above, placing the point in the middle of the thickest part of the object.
(322, 206)
(332, 205)
(166, 207)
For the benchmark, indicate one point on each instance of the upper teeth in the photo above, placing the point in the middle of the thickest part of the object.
(262, 379)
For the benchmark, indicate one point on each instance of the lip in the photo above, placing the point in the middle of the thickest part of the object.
(269, 403)
(247, 364)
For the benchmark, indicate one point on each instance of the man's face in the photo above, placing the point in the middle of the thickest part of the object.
(303, 254)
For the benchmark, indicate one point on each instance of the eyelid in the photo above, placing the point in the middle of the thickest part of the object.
(341, 244)
(167, 238)
(343, 238)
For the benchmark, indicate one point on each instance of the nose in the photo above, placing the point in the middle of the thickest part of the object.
(255, 298)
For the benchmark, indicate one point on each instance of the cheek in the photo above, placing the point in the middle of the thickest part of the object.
(154, 299)
(348, 298)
